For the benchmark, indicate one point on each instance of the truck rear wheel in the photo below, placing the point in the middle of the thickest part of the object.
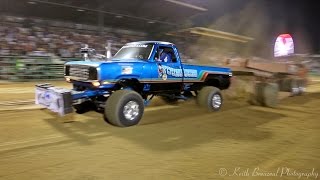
(124, 108)
(210, 98)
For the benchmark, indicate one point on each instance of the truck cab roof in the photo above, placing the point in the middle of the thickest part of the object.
(150, 42)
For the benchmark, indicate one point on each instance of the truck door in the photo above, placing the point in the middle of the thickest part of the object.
(167, 72)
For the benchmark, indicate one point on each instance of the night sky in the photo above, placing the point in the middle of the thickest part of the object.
(266, 19)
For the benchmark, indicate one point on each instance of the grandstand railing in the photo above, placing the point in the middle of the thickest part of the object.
(27, 68)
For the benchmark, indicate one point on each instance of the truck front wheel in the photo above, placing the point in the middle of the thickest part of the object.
(124, 108)
(210, 98)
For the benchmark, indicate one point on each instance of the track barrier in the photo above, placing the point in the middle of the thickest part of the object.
(28, 68)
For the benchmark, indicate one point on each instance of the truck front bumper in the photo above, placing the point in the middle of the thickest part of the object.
(61, 100)
(56, 99)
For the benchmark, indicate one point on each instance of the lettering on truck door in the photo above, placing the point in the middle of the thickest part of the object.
(167, 73)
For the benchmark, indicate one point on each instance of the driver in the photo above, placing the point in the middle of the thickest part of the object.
(164, 56)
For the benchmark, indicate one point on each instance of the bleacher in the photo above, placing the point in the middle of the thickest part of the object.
(33, 48)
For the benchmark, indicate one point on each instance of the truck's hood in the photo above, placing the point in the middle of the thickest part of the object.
(115, 69)
(97, 63)
(126, 60)
(84, 63)
(118, 69)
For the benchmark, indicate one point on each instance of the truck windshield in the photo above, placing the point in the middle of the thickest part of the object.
(135, 51)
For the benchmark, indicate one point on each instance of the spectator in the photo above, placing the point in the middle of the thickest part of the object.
(21, 36)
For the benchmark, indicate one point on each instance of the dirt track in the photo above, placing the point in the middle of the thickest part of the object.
(172, 142)
(17, 90)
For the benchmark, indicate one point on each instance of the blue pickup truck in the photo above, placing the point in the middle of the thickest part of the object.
(122, 86)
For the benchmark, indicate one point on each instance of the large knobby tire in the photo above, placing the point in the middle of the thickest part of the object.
(259, 95)
(290, 85)
(282, 85)
(286, 85)
(302, 84)
(294, 87)
(270, 95)
(266, 94)
(124, 108)
(210, 98)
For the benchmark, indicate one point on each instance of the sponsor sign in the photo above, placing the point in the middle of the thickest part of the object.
(165, 71)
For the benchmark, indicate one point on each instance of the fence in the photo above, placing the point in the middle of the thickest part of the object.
(26, 68)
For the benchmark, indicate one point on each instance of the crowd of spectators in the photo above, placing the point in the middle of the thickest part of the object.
(38, 37)
(34, 37)
(26, 37)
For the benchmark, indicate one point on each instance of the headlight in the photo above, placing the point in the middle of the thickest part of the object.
(68, 79)
(96, 83)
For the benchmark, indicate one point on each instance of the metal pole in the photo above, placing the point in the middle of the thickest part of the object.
(108, 48)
